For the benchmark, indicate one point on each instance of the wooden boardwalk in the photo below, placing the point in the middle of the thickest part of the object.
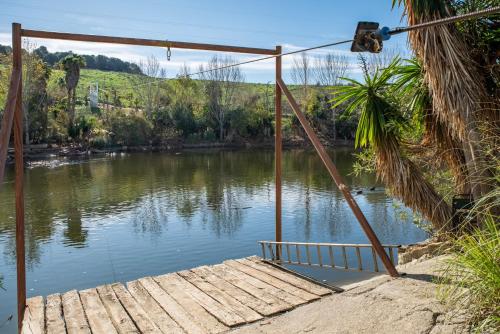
(207, 299)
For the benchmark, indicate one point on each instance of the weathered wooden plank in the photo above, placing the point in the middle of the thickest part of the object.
(228, 301)
(264, 287)
(172, 307)
(54, 319)
(159, 316)
(76, 323)
(225, 315)
(289, 278)
(203, 317)
(34, 316)
(117, 313)
(136, 312)
(98, 318)
(240, 294)
(271, 280)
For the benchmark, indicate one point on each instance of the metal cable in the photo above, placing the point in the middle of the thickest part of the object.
(270, 57)
(446, 20)
(394, 31)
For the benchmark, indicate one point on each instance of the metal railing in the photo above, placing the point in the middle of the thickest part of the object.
(320, 254)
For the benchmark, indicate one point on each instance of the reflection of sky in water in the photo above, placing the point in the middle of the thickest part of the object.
(121, 218)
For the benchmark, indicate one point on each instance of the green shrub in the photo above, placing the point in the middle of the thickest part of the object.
(471, 279)
(129, 129)
(183, 119)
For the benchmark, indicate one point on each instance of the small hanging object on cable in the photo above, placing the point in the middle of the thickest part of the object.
(169, 52)
(368, 37)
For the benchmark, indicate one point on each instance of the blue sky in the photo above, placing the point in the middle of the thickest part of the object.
(292, 24)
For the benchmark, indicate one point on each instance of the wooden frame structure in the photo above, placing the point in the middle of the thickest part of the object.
(13, 119)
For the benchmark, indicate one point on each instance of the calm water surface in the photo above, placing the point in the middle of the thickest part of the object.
(118, 218)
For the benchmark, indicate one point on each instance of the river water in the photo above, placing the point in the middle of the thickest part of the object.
(125, 216)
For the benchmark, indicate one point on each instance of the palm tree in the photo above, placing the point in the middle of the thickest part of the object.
(71, 65)
(437, 136)
(379, 127)
(457, 88)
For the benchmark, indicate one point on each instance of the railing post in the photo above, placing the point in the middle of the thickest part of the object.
(327, 161)
(19, 178)
(278, 152)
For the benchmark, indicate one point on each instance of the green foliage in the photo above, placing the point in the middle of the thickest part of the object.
(364, 162)
(183, 119)
(410, 87)
(379, 115)
(99, 62)
(129, 129)
(471, 279)
(179, 108)
(58, 123)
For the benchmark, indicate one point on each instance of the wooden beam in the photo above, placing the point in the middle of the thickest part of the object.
(19, 179)
(327, 161)
(278, 153)
(144, 42)
(8, 118)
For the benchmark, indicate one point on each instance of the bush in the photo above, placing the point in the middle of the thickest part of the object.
(129, 129)
(58, 123)
(471, 279)
(183, 119)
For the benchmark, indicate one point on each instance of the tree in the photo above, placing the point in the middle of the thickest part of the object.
(379, 128)
(220, 86)
(71, 65)
(457, 85)
(301, 72)
(36, 74)
(437, 136)
(329, 70)
(148, 86)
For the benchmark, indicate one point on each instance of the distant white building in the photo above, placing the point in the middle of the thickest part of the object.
(94, 95)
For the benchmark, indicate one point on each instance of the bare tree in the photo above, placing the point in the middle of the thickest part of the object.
(380, 60)
(221, 82)
(148, 86)
(329, 70)
(301, 72)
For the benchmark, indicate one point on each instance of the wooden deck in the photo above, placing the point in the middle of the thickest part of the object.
(207, 299)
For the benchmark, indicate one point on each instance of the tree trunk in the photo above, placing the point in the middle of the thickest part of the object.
(68, 107)
(406, 182)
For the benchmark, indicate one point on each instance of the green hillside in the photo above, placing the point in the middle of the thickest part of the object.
(124, 84)
(108, 81)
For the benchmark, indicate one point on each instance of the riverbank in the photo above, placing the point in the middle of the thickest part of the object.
(46, 151)
(380, 305)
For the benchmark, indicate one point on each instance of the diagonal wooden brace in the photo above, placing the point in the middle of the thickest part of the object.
(327, 161)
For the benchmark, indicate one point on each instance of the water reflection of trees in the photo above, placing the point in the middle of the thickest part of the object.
(148, 188)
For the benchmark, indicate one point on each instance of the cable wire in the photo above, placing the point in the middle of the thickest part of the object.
(394, 31)
(269, 57)
(446, 20)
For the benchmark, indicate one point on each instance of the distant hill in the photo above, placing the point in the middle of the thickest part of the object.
(93, 62)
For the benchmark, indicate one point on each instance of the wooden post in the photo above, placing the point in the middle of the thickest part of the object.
(327, 161)
(278, 152)
(18, 151)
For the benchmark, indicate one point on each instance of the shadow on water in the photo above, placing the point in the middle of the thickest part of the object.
(126, 216)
